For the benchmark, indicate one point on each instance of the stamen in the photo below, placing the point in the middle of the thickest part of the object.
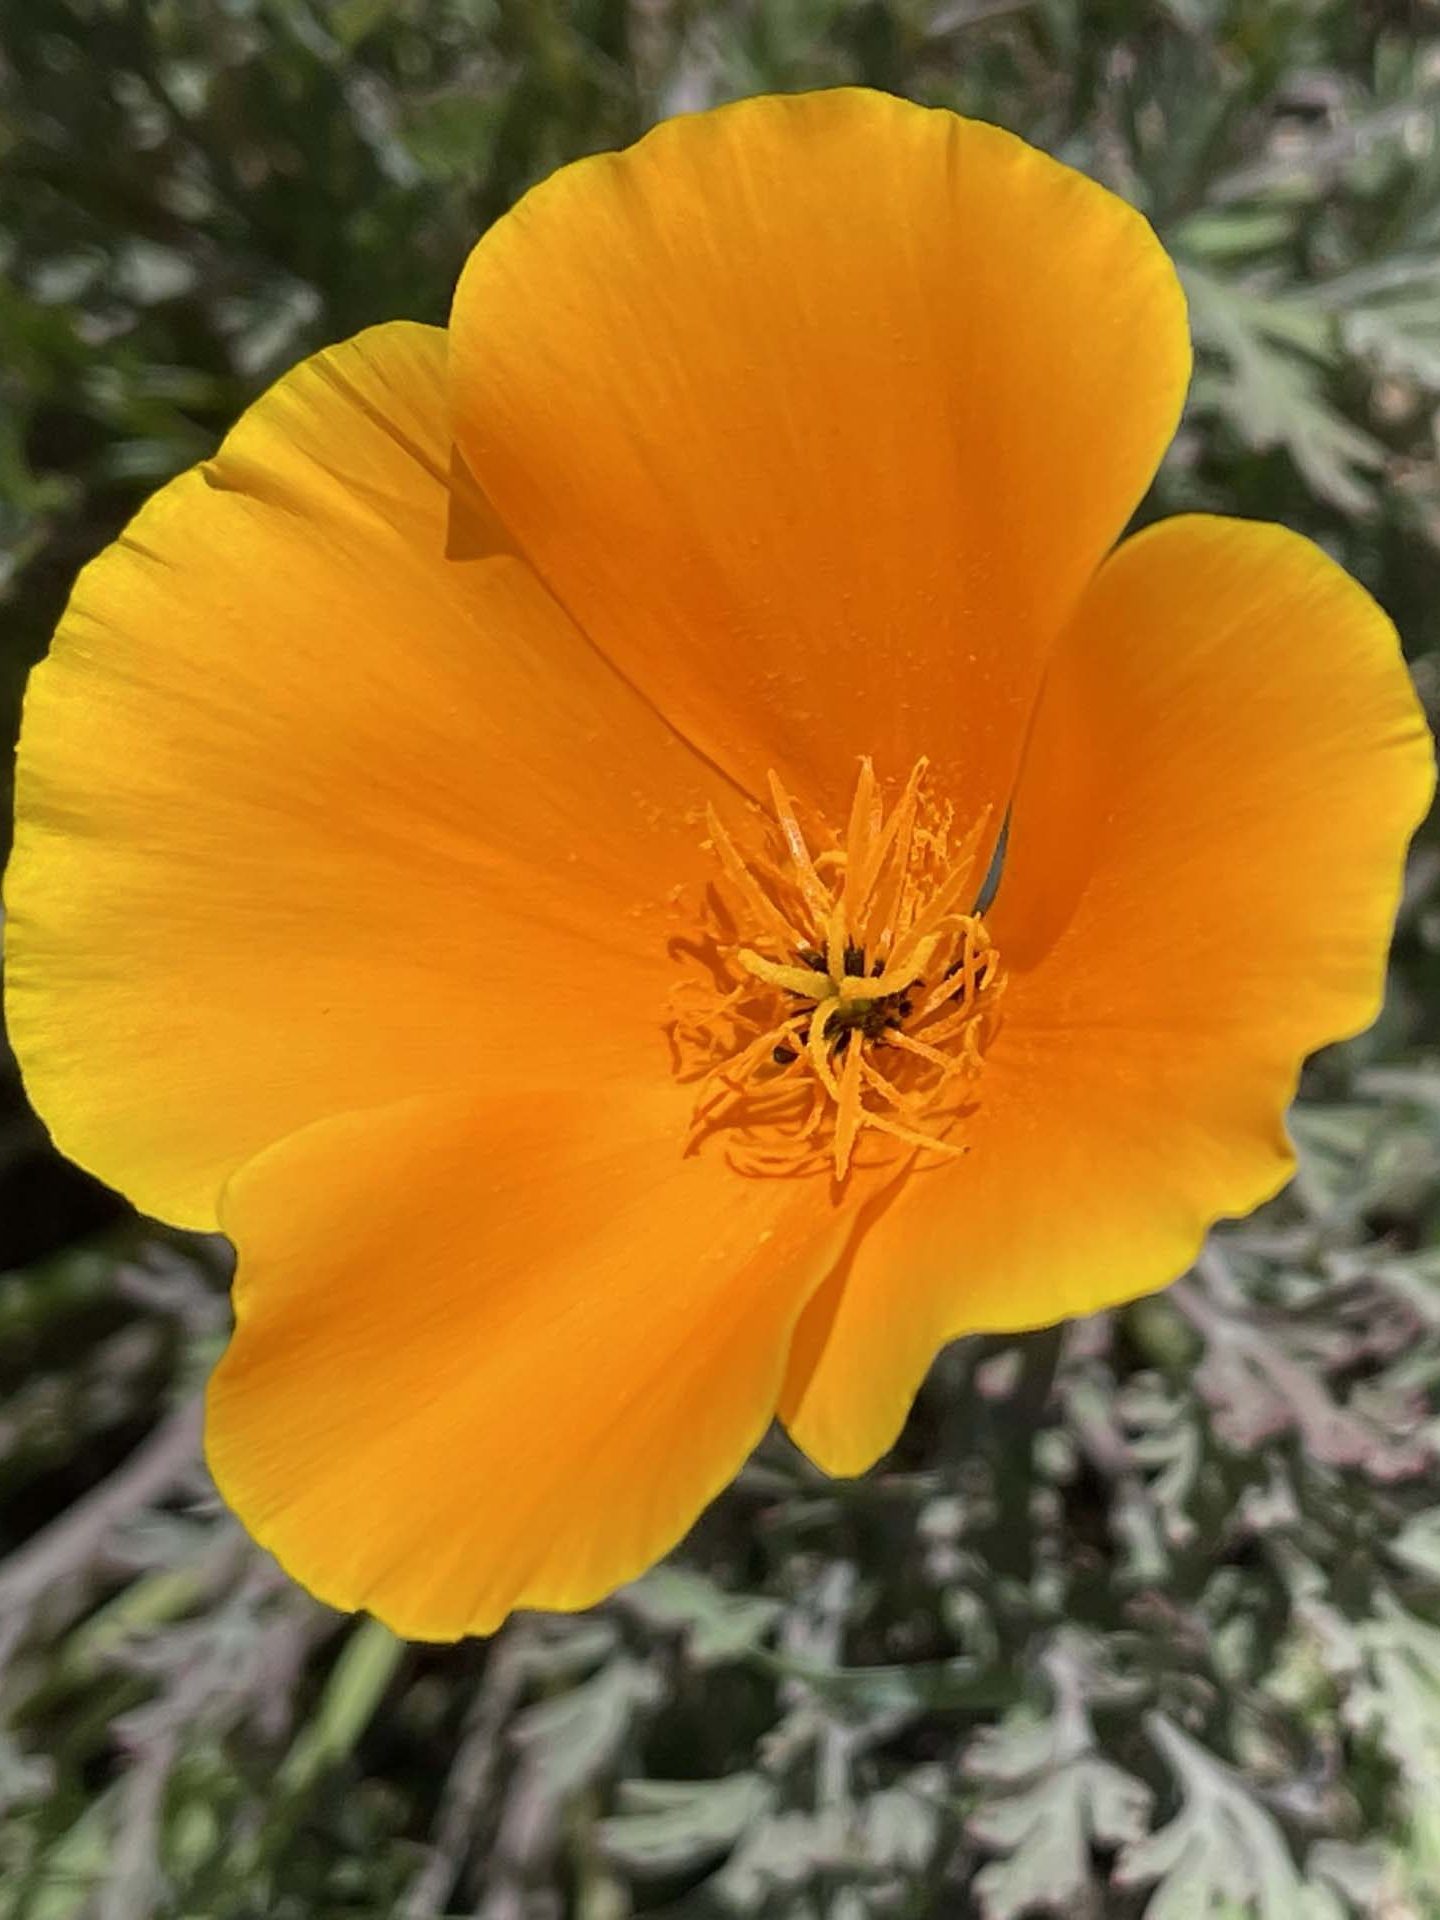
(847, 1111)
(897, 831)
(819, 1052)
(866, 815)
(877, 1081)
(819, 966)
(817, 896)
(944, 901)
(907, 1043)
(792, 979)
(740, 876)
(895, 979)
(836, 942)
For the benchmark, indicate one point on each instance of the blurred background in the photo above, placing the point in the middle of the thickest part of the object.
(1142, 1617)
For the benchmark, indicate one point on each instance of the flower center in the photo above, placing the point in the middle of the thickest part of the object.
(845, 991)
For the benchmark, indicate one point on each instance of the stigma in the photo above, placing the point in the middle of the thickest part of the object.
(847, 987)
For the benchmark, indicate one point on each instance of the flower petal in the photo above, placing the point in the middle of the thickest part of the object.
(1204, 865)
(817, 412)
(311, 818)
(499, 1357)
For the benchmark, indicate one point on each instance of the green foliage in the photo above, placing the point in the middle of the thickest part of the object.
(1138, 1620)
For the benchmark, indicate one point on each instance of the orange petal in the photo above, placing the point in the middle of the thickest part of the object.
(817, 413)
(312, 818)
(1204, 865)
(499, 1357)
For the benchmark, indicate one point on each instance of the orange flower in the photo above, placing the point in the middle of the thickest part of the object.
(505, 840)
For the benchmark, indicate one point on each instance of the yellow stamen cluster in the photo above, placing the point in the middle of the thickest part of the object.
(844, 992)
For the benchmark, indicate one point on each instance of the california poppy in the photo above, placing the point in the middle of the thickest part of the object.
(506, 842)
